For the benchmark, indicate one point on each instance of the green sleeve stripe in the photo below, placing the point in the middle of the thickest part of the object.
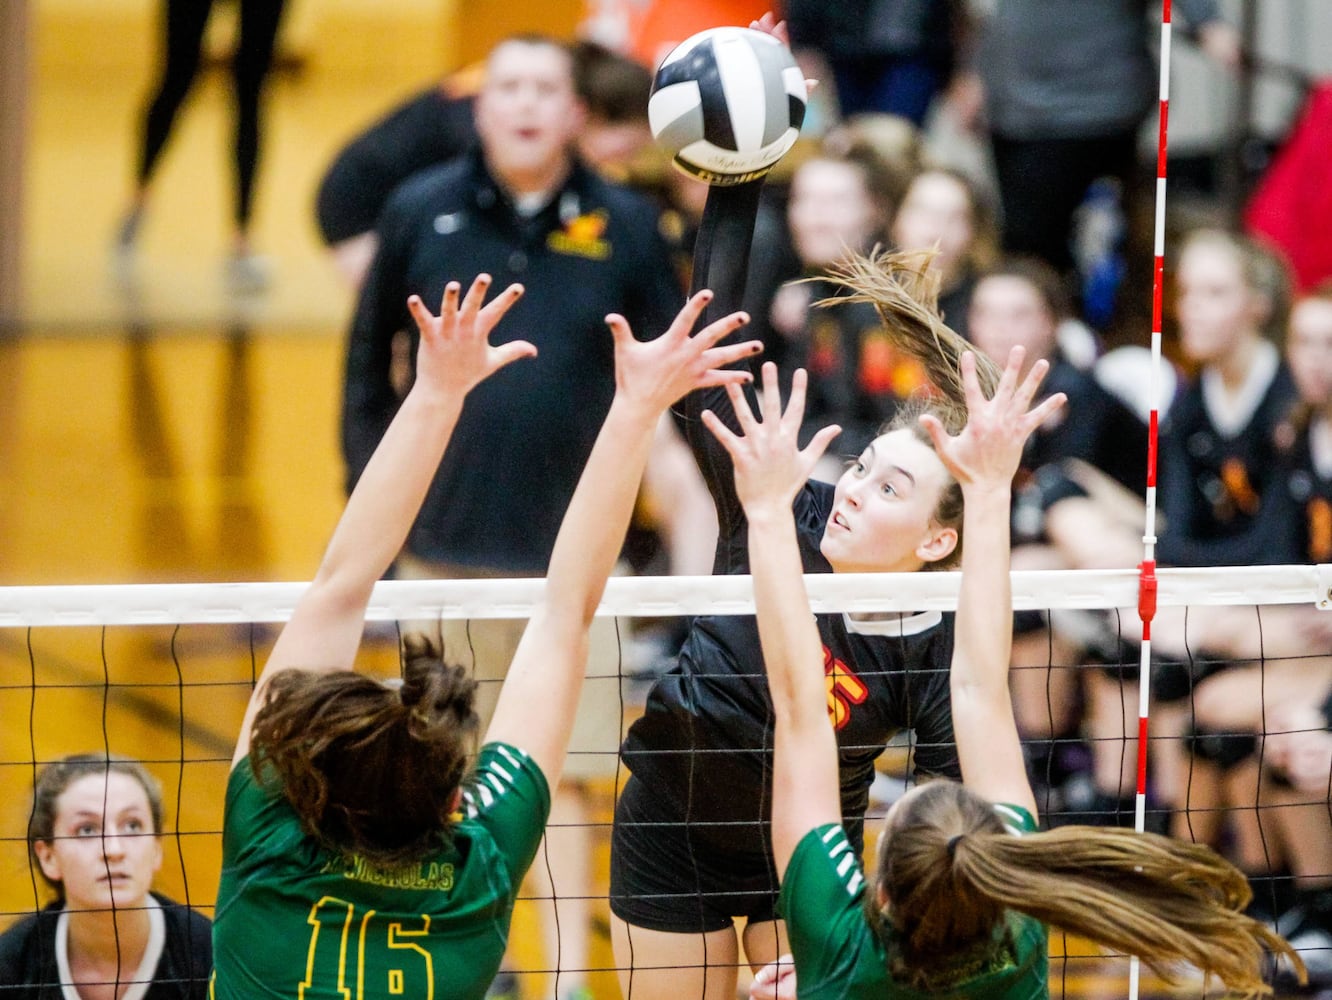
(1015, 819)
(843, 858)
(494, 779)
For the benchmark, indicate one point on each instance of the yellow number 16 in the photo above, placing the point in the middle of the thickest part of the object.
(333, 917)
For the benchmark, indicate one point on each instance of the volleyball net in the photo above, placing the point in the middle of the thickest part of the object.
(1241, 664)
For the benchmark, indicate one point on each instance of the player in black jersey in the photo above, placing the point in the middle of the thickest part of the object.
(691, 848)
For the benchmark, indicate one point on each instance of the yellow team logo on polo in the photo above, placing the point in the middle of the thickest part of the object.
(582, 236)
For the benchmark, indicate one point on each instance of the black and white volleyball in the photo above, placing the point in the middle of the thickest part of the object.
(727, 103)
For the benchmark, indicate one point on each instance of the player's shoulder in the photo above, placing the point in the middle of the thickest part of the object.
(431, 189)
(813, 504)
(20, 943)
(182, 915)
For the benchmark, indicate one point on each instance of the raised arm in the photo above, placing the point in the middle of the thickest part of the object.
(721, 262)
(770, 469)
(540, 694)
(324, 632)
(983, 459)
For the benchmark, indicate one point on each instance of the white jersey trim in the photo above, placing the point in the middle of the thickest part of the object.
(143, 975)
(895, 626)
(1231, 412)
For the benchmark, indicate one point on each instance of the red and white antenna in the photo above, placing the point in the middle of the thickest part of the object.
(1147, 568)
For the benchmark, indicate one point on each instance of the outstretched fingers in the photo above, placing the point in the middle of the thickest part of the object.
(818, 444)
(1026, 392)
(727, 438)
(744, 415)
(621, 333)
(795, 406)
(1012, 369)
(1047, 408)
(971, 390)
(494, 310)
(471, 303)
(935, 429)
(689, 314)
(770, 396)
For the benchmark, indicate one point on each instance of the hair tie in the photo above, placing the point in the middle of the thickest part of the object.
(952, 845)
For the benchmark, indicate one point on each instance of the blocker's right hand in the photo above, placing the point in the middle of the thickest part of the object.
(653, 374)
(455, 353)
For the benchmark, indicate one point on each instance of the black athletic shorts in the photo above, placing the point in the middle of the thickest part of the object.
(1172, 680)
(666, 875)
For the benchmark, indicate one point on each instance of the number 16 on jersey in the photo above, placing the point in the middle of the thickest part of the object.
(385, 952)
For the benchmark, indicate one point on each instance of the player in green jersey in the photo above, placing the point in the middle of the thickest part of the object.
(958, 904)
(359, 859)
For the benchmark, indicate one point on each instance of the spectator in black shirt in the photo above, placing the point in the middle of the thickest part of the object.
(95, 836)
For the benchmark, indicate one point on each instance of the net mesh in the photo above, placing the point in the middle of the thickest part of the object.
(163, 673)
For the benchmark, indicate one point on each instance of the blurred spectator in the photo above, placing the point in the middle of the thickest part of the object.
(840, 206)
(95, 838)
(183, 23)
(1258, 791)
(523, 208)
(1021, 301)
(943, 210)
(435, 126)
(891, 139)
(1216, 488)
(888, 56)
(1066, 88)
(1295, 189)
(1232, 304)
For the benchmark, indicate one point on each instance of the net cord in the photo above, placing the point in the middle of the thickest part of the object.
(394, 600)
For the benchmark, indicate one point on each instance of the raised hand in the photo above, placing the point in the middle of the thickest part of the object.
(656, 373)
(769, 25)
(455, 352)
(770, 466)
(987, 452)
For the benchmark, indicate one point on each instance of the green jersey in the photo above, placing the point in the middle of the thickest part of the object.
(837, 955)
(295, 920)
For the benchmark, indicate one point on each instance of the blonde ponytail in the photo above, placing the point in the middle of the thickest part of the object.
(1165, 900)
(904, 291)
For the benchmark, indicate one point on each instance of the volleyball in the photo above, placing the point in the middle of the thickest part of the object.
(727, 103)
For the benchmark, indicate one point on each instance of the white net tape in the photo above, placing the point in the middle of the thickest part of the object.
(156, 604)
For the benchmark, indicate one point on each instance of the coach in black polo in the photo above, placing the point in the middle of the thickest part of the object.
(523, 209)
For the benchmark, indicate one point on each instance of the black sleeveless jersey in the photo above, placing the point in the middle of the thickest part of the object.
(1212, 485)
(705, 740)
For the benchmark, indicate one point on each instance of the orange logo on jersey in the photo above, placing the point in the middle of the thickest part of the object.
(581, 236)
(1235, 478)
(1320, 530)
(844, 689)
(884, 369)
(825, 348)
